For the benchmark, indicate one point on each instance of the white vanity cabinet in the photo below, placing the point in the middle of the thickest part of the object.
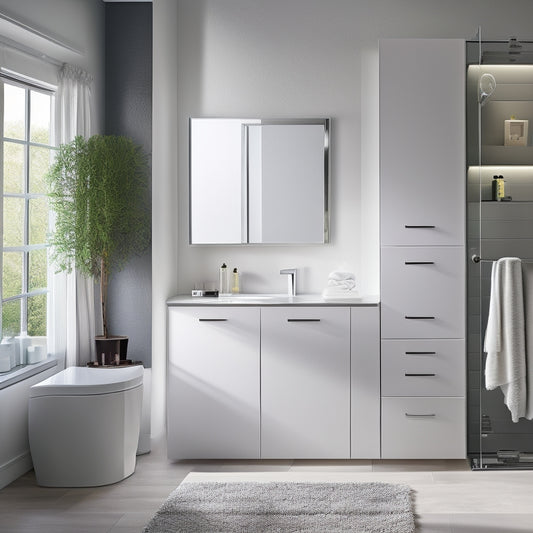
(213, 383)
(275, 381)
(423, 297)
(305, 382)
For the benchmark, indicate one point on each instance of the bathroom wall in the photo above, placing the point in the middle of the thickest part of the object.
(15, 457)
(303, 58)
(128, 111)
(281, 58)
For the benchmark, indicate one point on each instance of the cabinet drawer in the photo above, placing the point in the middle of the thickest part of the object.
(422, 292)
(305, 383)
(433, 367)
(423, 428)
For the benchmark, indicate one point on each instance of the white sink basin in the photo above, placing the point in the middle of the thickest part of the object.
(248, 297)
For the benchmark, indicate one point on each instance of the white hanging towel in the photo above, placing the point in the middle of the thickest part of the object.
(505, 336)
(527, 280)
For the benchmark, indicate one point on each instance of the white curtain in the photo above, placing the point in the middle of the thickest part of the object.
(72, 324)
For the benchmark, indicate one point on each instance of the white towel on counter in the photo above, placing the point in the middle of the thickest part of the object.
(505, 336)
(341, 280)
(340, 285)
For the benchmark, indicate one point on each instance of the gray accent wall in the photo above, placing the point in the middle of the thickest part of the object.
(128, 97)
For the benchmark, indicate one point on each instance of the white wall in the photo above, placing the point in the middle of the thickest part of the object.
(15, 457)
(306, 58)
(288, 58)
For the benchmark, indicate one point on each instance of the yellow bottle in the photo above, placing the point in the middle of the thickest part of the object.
(235, 284)
(498, 188)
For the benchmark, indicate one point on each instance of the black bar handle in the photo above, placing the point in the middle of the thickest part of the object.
(416, 227)
(428, 415)
(407, 375)
(213, 319)
(419, 318)
(420, 353)
(303, 319)
(419, 262)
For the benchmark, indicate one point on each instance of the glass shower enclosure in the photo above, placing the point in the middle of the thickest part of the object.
(499, 97)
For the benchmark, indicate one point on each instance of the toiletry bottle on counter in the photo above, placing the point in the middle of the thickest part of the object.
(235, 281)
(498, 188)
(223, 281)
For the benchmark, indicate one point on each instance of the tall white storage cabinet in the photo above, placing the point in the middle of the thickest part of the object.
(422, 166)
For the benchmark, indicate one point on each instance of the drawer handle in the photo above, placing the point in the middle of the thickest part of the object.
(416, 227)
(419, 318)
(416, 375)
(420, 353)
(428, 415)
(212, 319)
(303, 319)
(419, 262)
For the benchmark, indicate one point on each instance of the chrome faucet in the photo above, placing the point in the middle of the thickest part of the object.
(291, 279)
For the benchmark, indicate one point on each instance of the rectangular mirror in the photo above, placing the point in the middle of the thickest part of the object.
(259, 181)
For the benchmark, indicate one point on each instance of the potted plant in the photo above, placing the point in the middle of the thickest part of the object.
(98, 190)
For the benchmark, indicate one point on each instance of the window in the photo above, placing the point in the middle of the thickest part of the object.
(27, 139)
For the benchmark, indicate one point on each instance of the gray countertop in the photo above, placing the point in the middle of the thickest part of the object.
(272, 300)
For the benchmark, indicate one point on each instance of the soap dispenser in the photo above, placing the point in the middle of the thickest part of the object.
(223, 281)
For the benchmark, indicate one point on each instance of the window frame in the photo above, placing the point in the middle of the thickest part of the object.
(30, 86)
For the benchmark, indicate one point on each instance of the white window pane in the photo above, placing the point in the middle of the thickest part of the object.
(12, 274)
(14, 167)
(14, 112)
(37, 316)
(39, 165)
(11, 318)
(40, 117)
(37, 269)
(13, 221)
(38, 220)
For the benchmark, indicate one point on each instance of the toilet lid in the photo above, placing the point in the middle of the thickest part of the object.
(83, 381)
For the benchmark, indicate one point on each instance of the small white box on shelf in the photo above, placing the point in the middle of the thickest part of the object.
(515, 132)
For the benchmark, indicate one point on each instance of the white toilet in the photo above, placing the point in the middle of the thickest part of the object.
(84, 426)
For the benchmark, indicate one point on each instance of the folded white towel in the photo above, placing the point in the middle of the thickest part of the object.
(505, 336)
(342, 280)
(347, 284)
(338, 275)
(337, 293)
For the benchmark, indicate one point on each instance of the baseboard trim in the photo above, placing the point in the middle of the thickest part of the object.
(15, 468)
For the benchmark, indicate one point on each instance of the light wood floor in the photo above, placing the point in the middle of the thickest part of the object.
(449, 498)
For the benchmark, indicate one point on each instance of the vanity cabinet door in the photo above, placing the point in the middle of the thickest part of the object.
(213, 383)
(422, 141)
(305, 382)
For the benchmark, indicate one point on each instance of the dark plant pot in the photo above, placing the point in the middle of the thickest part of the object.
(108, 347)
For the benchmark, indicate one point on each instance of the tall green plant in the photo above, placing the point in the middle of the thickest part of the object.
(98, 190)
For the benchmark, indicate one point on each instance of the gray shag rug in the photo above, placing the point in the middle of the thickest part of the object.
(271, 506)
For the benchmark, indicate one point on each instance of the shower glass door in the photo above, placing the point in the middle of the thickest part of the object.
(500, 224)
